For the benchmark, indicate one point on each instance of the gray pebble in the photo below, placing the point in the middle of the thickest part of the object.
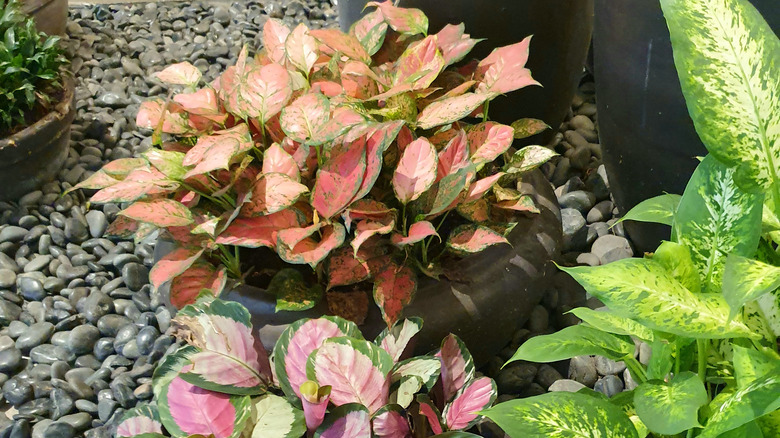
(609, 385)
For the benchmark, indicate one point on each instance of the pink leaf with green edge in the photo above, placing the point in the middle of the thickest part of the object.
(449, 109)
(186, 286)
(504, 69)
(344, 268)
(123, 228)
(298, 341)
(454, 156)
(273, 192)
(525, 203)
(429, 411)
(160, 212)
(98, 180)
(391, 422)
(461, 412)
(291, 237)
(525, 128)
(454, 43)
(277, 160)
(305, 116)
(258, 231)
(301, 49)
(123, 166)
(404, 20)
(370, 30)
(417, 232)
(275, 35)
(367, 228)
(394, 289)
(457, 365)
(355, 369)
(356, 83)
(221, 373)
(328, 88)
(488, 140)
(169, 163)
(341, 121)
(151, 111)
(173, 264)
(218, 151)
(182, 73)
(419, 65)
(315, 401)
(378, 140)
(395, 340)
(447, 193)
(480, 187)
(340, 178)
(405, 137)
(267, 90)
(351, 420)
(199, 411)
(416, 170)
(203, 102)
(140, 183)
(471, 238)
(341, 42)
(312, 252)
(365, 209)
(143, 419)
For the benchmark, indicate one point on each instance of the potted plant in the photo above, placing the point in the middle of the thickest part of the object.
(359, 168)
(37, 105)
(647, 136)
(50, 16)
(561, 31)
(706, 302)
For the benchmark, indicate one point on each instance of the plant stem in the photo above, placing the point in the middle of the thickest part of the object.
(424, 252)
(637, 372)
(485, 112)
(403, 215)
(701, 348)
(219, 201)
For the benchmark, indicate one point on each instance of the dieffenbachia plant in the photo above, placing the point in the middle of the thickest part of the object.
(366, 155)
(329, 382)
(706, 302)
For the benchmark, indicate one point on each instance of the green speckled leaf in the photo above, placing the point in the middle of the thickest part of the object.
(727, 59)
(293, 292)
(769, 424)
(676, 258)
(671, 408)
(577, 340)
(745, 280)
(641, 289)
(750, 364)
(611, 323)
(745, 405)
(770, 307)
(659, 210)
(561, 415)
(715, 218)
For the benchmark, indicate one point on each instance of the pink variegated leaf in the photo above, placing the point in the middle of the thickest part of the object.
(461, 412)
(151, 112)
(403, 20)
(290, 237)
(273, 192)
(328, 88)
(457, 365)
(342, 120)
(358, 86)
(419, 65)
(395, 340)
(124, 228)
(471, 238)
(277, 160)
(173, 264)
(169, 163)
(301, 49)
(182, 73)
(310, 251)
(394, 289)
(405, 137)
(454, 156)
(454, 43)
(524, 203)
(344, 268)
(447, 193)
(377, 142)
(367, 228)
(341, 42)
(197, 411)
(142, 419)
(355, 369)
(504, 69)
(203, 102)
(123, 167)
(450, 109)
(350, 420)
(429, 411)
(370, 30)
(138, 183)
(298, 341)
(160, 212)
(340, 178)
(276, 417)
(186, 287)
(98, 180)
(221, 373)
(305, 116)
(480, 187)
(390, 422)
(265, 92)
(416, 170)
(417, 232)
(315, 399)
(475, 211)
(525, 128)
(218, 151)
(275, 35)
(488, 140)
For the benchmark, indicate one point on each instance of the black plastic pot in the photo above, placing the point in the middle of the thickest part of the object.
(33, 156)
(561, 31)
(505, 285)
(50, 16)
(648, 139)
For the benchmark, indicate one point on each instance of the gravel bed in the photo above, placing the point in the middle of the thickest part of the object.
(81, 328)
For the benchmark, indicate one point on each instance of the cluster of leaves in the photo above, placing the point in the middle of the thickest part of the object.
(30, 69)
(328, 382)
(341, 151)
(707, 302)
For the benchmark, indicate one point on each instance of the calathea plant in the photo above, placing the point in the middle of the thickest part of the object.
(327, 382)
(705, 302)
(347, 152)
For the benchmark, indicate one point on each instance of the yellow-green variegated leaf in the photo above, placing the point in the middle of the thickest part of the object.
(669, 408)
(716, 218)
(727, 59)
(641, 289)
(676, 258)
(770, 424)
(770, 308)
(750, 364)
(659, 210)
(561, 415)
(577, 340)
(745, 280)
(759, 398)
(611, 323)
(275, 417)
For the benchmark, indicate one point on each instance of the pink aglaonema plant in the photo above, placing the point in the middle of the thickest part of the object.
(330, 381)
(367, 155)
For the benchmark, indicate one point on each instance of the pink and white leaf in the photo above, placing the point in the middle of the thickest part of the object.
(471, 238)
(182, 73)
(504, 69)
(454, 156)
(301, 49)
(416, 170)
(488, 140)
(377, 142)
(461, 413)
(218, 151)
(417, 232)
(305, 116)
(223, 373)
(480, 187)
(403, 20)
(351, 421)
(391, 424)
(151, 112)
(454, 43)
(200, 411)
(203, 102)
(457, 365)
(160, 212)
(143, 419)
(275, 35)
(394, 341)
(267, 90)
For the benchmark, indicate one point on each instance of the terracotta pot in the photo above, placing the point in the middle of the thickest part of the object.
(505, 285)
(561, 35)
(50, 16)
(33, 156)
